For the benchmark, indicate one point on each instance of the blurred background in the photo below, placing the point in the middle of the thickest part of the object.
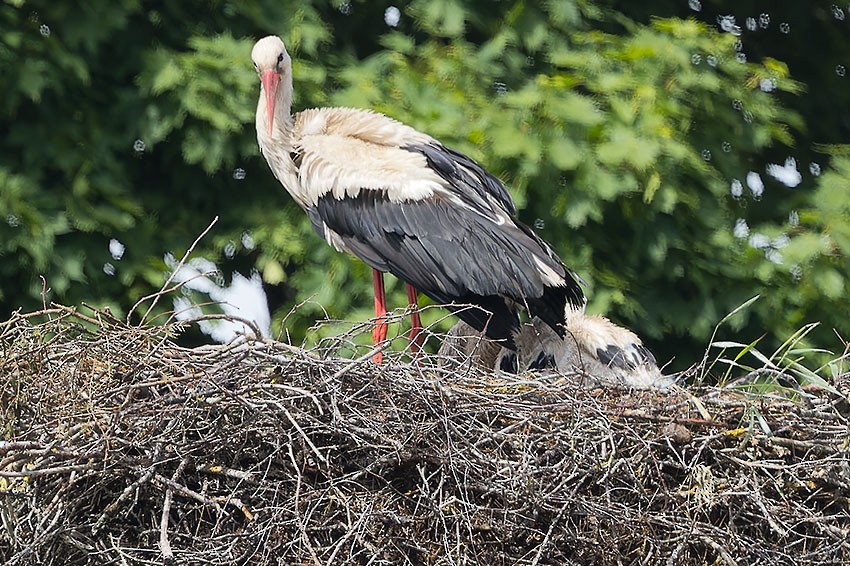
(682, 157)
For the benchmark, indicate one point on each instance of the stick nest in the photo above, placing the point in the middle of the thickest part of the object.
(119, 446)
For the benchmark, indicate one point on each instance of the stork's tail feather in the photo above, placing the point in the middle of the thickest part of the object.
(554, 302)
(489, 315)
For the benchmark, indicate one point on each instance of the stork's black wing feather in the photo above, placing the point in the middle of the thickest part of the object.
(464, 174)
(453, 252)
(477, 188)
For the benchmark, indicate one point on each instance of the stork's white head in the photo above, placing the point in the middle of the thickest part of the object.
(271, 62)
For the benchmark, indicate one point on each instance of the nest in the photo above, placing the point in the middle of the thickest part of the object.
(120, 446)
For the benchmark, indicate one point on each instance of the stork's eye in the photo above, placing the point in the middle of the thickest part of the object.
(280, 59)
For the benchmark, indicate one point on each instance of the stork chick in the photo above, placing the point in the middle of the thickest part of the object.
(601, 351)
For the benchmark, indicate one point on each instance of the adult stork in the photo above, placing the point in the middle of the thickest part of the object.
(406, 204)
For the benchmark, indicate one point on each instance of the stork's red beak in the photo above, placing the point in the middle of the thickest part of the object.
(270, 80)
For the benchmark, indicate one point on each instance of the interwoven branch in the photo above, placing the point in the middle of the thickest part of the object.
(120, 446)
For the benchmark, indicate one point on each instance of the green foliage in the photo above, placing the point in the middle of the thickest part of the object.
(127, 123)
(620, 138)
(785, 371)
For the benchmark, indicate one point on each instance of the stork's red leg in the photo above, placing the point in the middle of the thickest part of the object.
(379, 333)
(415, 323)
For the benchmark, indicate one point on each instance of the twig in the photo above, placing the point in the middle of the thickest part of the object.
(777, 528)
(164, 545)
(297, 507)
(258, 335)
(47, 471)
(802, 445)
(542, 546)
(77, 314)
(44, 291)
(125, 494)
(725, 556)
(359, 361)
(156, 296)
(639, 415)
(306, 438)
(172, 485)
(229, 472)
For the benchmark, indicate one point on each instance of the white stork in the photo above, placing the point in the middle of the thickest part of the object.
(593, 345)
(406, 204)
